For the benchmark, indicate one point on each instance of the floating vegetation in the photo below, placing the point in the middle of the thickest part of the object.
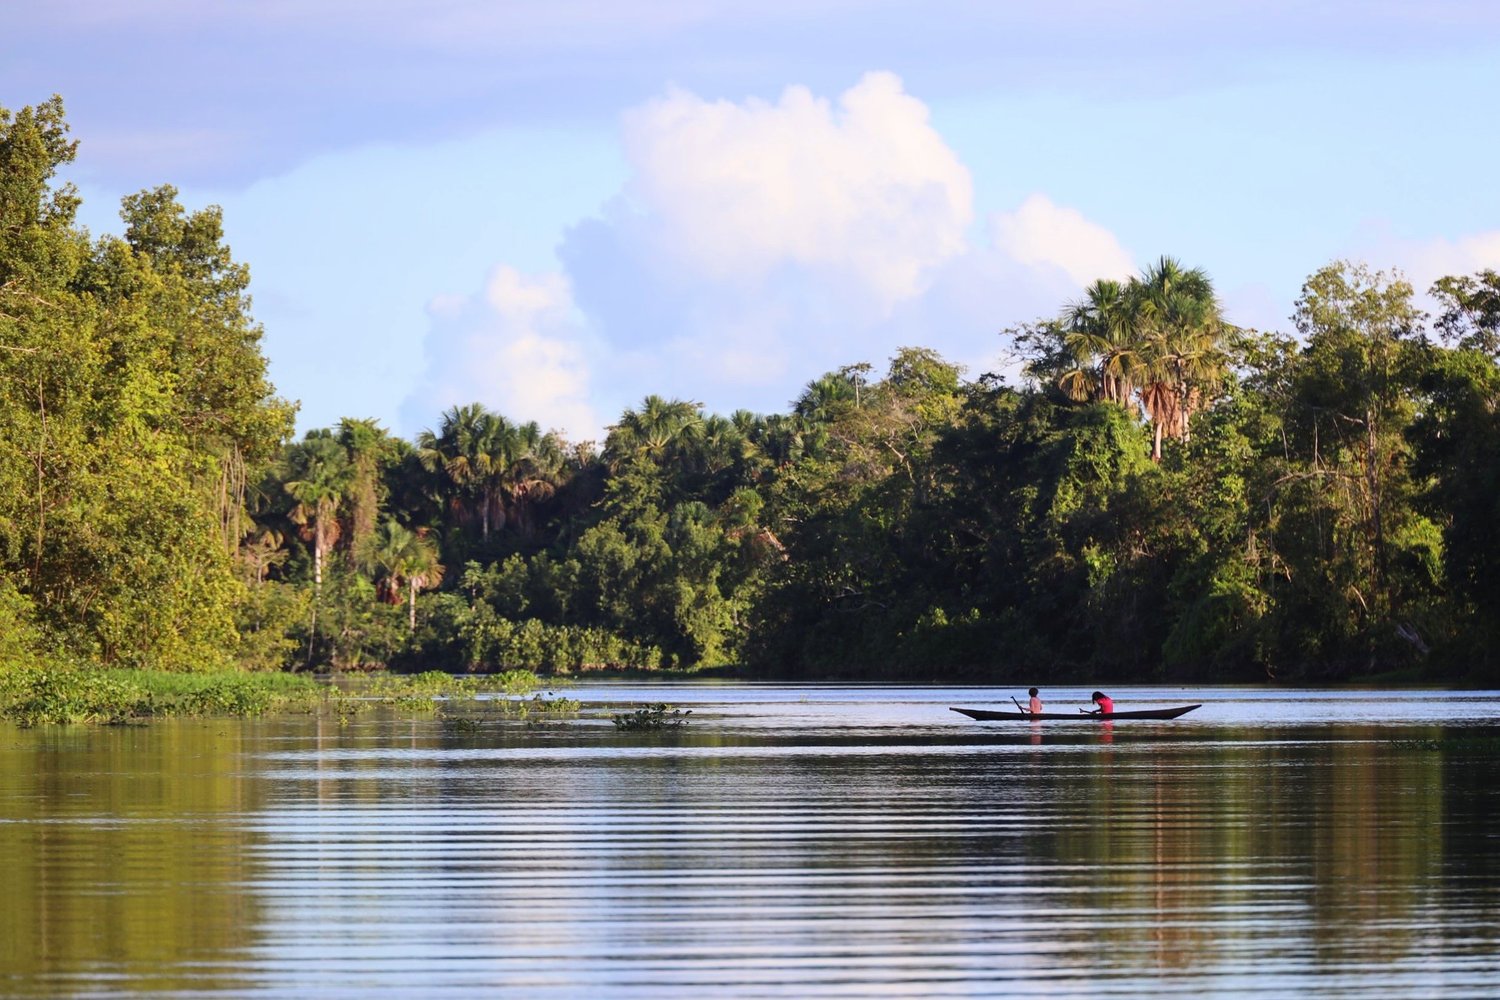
(539, 705)
(1453, 744)
(453, 698)
(658, 716)
(61, 694)
(53, 694)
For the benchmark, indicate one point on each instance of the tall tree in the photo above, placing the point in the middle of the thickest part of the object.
(368, 446)
(318, 478)
(525, 466)
(1100, 334)
(1358, 326)
(133, 407)
(1471, 310)
(460, 453)
(1178, 319)
(401, 559)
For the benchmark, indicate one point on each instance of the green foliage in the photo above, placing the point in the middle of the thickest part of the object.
(1167, 497)
(133, 402)
(20, 641)
(267, 622)
(1471, 311)
(52, 694)
(490, 642)
(652, 717)
(35, 695)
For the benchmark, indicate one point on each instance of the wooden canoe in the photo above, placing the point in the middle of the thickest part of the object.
(984, 715)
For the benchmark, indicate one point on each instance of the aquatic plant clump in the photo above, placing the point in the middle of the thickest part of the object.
(61, 694)
(658, 716)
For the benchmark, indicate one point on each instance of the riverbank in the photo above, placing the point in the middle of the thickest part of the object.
(59, 694)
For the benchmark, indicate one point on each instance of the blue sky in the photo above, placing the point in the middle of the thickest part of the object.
(555, 209)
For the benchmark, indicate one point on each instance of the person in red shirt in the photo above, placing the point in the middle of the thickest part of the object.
(1105, 702)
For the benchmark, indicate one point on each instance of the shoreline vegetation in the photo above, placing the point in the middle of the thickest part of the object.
(32, 696)
(1153, 495)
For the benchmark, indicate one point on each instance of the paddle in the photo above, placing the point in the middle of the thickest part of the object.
(1018, 705)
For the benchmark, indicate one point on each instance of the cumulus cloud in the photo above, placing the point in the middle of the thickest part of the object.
(517, 346)
(865, 190)
(1041, 234)
(757, 245)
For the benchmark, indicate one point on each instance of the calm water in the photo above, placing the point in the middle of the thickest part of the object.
(790, 841)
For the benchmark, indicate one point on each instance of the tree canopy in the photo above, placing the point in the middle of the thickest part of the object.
(1163, 495)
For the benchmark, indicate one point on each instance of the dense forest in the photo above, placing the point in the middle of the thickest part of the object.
(1161, 495)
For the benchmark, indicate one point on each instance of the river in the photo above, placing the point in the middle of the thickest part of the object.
(790, 840)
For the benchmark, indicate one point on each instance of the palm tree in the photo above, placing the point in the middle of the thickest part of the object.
(460, 453)
(653, 431)
(261, 550)
(826, 398)
(1099, 333)
(1154, 342)
(318, 479)
(1181, 327)
(401, 559)
(786, 438)
(526, 467)
(720, 445)
(367, 444)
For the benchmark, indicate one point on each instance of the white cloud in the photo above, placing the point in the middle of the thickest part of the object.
(517, 346)
(1041, 234)
(865, 192)
(757, 245)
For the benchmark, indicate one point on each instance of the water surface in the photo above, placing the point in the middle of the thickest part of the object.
(789, 841)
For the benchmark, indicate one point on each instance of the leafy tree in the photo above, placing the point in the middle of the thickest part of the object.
(526, 466)
(1156, 342)
(658, 430)
(134, 409)
(1100, 334)
(1471, 310)
(1455, 438)
(1358, 325)
(1178, 318)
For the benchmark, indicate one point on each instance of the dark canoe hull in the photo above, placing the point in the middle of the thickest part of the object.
(1149, 713)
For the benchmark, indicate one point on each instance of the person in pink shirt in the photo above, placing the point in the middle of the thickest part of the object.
(1105, 702)
(1035, 705)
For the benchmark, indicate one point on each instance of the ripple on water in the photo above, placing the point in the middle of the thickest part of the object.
(796, 859)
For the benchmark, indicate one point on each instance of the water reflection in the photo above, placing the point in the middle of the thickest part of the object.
(815, 851)
(106, 838)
